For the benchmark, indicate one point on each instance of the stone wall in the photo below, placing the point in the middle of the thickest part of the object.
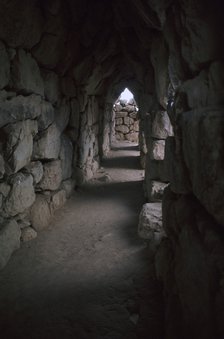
(126, 121)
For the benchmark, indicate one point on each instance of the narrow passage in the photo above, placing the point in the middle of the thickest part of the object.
(88, 276)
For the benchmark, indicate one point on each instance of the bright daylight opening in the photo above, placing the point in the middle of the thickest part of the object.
(126, 95)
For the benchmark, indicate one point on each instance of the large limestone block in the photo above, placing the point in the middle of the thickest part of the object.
(20, 108)
(121, 114)
(128, 121)
(58, 199)
(150, 222)
(122, 128)
(118, 121)
(157, 150)
(51, 86)
(21, 196)
(19, 145)
(203, 138)
(9, 240)
(47, 115)
(66, 156)
(52, 176)
(48, 143)
(36, 169)
(177, 173)
(136, 126)
(132, 136)
(26, 74)
(5, 66)
(161, 126)
(40, 213)
(28, 234)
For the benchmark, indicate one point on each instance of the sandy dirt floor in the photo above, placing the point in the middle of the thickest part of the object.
(88, 276)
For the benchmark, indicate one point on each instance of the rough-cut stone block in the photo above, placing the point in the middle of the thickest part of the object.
(68, 186)
(21, 196)
(203, 139)
(121, 114)
(129, 108)
(150, 222)
(51, 86)
(133, 137)
(128, 121)
(26, 74)
(52, 176)
(28, 234)
(155, 190)
(58, 199)
(4, 189)
(5, 66)
(62, 114)
(157, 150)
(19, 145)
(133, 115)
(48, 143)
(136, 126)
(19, 108)
(47, 115)
(122, 128)
(9, 240)
(176, 169)
(66, 156)
(40, 213)
(2, 166)
(36, 169)
(118, 121)
(161, 126)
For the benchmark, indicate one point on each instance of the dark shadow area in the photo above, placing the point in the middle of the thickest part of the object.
(127, 162)
(125, 148)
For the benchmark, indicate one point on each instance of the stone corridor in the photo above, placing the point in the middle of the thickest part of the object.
(88, 276)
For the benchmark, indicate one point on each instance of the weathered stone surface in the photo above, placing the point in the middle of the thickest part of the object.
(40, 213)
(58, 199)
(161, 126)
(51, 86)
(132, 136)
(28, 234)
(5, 66)
(158, 150)
(2, 166)
(62, 114)
(52, 176)
(26, 74)
(122, 128)
(47, 116)
(19, 108)
(68, 186)
(121, 114)
(133, 115)
(36, 169)
(203, 138)
(177, 173)
(119, 121)
(155, 190)
(9, 240)
(128, 121)
(150, 222)
(4, 189)
(66, 156)
(136, 126)
(21, 196)
(47, 144)
(19, 145)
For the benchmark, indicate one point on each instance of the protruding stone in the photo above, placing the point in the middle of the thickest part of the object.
(155, 190)
(150, 222)
(19, 145)
(158, 150)
(9, 240)
(47, 115)
(36, 169)
(21, 196)
(28, 234)
(52, 176)
(40, 213)
(58, 199)
(26, 74)
(48, 143)
(161, 126)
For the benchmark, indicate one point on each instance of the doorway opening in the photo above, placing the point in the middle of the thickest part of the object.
(126, 118)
